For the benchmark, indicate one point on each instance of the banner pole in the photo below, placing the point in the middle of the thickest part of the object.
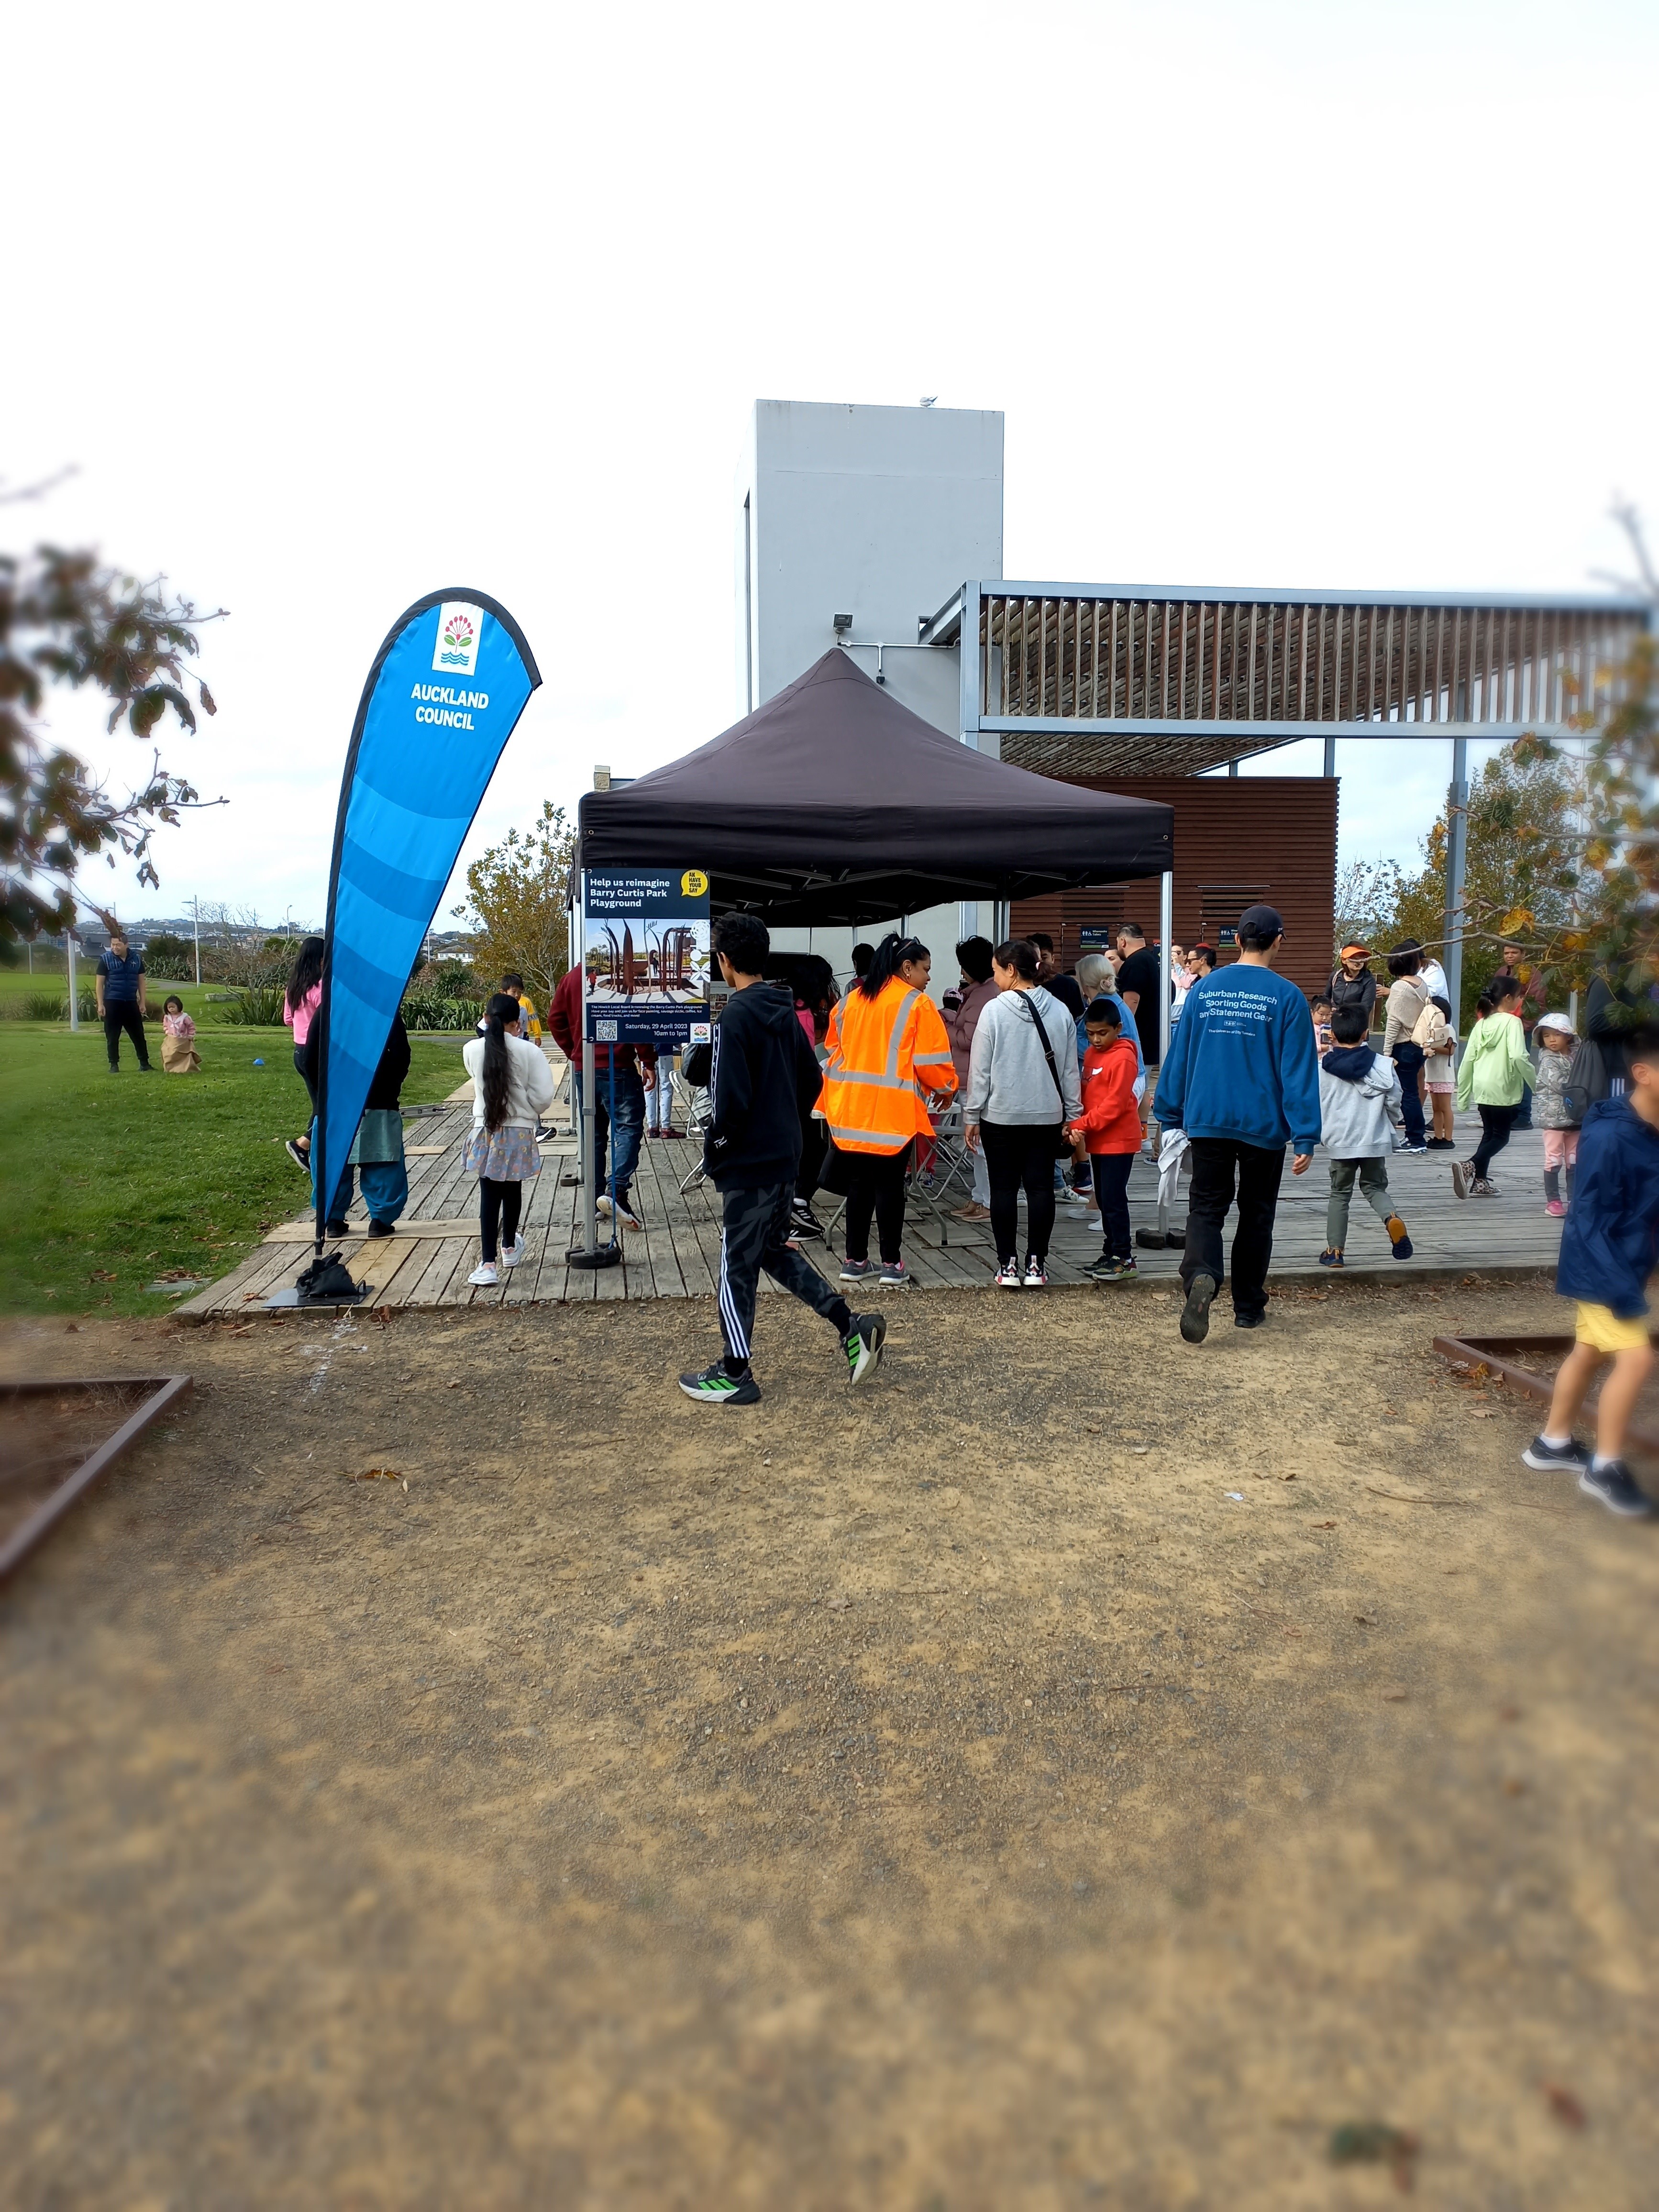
(590, 1194)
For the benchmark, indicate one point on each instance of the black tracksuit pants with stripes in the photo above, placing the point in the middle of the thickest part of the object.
(756, 1224)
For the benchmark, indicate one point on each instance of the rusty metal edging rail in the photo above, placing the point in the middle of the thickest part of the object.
(1488, 1352)
(165, 1390)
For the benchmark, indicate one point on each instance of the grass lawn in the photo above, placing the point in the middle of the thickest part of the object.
(110, 1181)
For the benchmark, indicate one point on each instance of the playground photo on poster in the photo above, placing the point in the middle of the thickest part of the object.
(642, 961)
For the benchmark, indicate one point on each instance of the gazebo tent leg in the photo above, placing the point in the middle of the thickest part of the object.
(1457, 825)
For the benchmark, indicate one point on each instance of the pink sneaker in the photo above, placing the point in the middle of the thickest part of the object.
(1555, 1208)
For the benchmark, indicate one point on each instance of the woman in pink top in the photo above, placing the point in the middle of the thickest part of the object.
(300, 1003)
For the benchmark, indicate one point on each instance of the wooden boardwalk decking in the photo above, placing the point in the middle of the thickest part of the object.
(677, 1252)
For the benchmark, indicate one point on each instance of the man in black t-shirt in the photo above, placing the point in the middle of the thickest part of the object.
(1140, 982)
(1066, 988)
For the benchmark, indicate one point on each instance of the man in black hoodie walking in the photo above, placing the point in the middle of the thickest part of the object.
(764, 1078)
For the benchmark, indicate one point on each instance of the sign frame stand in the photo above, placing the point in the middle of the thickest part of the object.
(590, 1253)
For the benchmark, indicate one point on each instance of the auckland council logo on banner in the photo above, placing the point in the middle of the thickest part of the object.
(456, 652)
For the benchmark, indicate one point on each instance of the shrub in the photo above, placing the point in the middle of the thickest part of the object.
(258, 1007)
(427, 1011)
(170, 958)
(49, 1006)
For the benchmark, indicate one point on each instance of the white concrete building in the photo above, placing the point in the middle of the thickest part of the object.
(874, 514)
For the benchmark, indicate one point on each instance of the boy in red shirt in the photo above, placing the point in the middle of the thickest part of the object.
(1111, 1122)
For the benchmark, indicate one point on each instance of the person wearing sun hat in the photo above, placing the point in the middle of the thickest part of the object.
(1352, 984)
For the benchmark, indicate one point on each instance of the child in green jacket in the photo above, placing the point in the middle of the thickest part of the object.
(1495, 1077)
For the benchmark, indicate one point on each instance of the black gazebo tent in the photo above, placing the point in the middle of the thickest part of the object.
(833, 804)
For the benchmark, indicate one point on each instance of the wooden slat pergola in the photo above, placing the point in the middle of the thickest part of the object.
(1137, 681)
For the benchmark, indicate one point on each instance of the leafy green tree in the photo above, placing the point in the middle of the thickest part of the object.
(517, 906)
(1612, 928)
(1521, 867)
(1367, 902)
(167, 954)
(65, 619)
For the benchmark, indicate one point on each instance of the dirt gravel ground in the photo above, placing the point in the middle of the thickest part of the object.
(1077, 1770)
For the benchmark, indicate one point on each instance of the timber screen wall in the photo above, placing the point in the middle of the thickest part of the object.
(1237, 840)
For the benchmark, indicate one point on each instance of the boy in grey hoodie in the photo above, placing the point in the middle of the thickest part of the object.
(1360, 1107)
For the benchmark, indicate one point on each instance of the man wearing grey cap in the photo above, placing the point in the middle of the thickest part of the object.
(1242, 1080)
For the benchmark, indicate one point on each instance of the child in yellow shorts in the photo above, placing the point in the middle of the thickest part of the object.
(1609, 1248)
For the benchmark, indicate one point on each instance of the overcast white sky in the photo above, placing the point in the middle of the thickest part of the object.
(334, 306)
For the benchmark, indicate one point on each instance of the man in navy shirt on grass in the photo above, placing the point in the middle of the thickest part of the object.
(123, 1000)
(1242, 1080)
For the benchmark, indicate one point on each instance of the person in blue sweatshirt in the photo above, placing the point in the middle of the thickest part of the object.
(1242, 1080)
(1609, 1248)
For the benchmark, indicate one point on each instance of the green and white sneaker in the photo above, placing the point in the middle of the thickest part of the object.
(714, 1386)
(862, 1345)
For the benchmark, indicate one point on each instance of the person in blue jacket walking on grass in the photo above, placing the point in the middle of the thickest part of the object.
(1242, 1080)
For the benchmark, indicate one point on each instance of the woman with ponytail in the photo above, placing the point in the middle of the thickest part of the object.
(512, 1088)
(300, 1003)
(1022, 1091)
(888, 1053)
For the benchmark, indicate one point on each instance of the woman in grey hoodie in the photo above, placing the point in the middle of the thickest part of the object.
(1020, 1096)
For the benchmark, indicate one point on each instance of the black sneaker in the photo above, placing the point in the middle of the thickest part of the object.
(1546, 1457)
(1113, 1270)
(1195, 1314)
(802, 1222)
(1613, 1488)
(379, 1229)
(714, 1386)
(298, 1153)
(1248, 1320)
(337, 1228)
(862, 1345)
(1101, 1270)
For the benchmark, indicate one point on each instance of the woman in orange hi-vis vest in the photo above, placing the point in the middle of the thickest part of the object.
(888, 1053)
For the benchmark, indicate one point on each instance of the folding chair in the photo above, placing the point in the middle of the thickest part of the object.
(699, 1113)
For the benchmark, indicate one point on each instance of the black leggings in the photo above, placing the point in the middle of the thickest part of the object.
(1018, 1152)
(875, 1186)
(1496, 1122)
(498, 1201)
(121, 1015)
(300, 1070)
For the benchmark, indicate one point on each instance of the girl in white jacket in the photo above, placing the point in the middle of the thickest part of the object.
(512, 1088)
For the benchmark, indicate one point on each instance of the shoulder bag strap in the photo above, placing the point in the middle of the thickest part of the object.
(1048, 1049)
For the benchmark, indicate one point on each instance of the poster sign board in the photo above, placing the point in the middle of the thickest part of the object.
(645, 935)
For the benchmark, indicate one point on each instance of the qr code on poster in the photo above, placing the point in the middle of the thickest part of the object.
(607, 1032)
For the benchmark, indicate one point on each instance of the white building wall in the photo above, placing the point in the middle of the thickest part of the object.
(878, 513)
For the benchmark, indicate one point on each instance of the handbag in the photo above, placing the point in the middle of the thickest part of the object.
(1587, 1080)
(1062, 1142)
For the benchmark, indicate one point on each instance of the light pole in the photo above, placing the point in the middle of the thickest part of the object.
(74, 988)
(195, 911)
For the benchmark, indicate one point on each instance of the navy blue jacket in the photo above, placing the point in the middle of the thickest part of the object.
(1610, 1245)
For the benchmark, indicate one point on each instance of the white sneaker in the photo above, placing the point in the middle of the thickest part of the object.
(1009, 1277)
(483, 1276)
(602, 1208)
(629, 1218)
(512, 1254)
(1036, 1275)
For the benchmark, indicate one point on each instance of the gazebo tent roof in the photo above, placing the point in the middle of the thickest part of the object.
(834, 804)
